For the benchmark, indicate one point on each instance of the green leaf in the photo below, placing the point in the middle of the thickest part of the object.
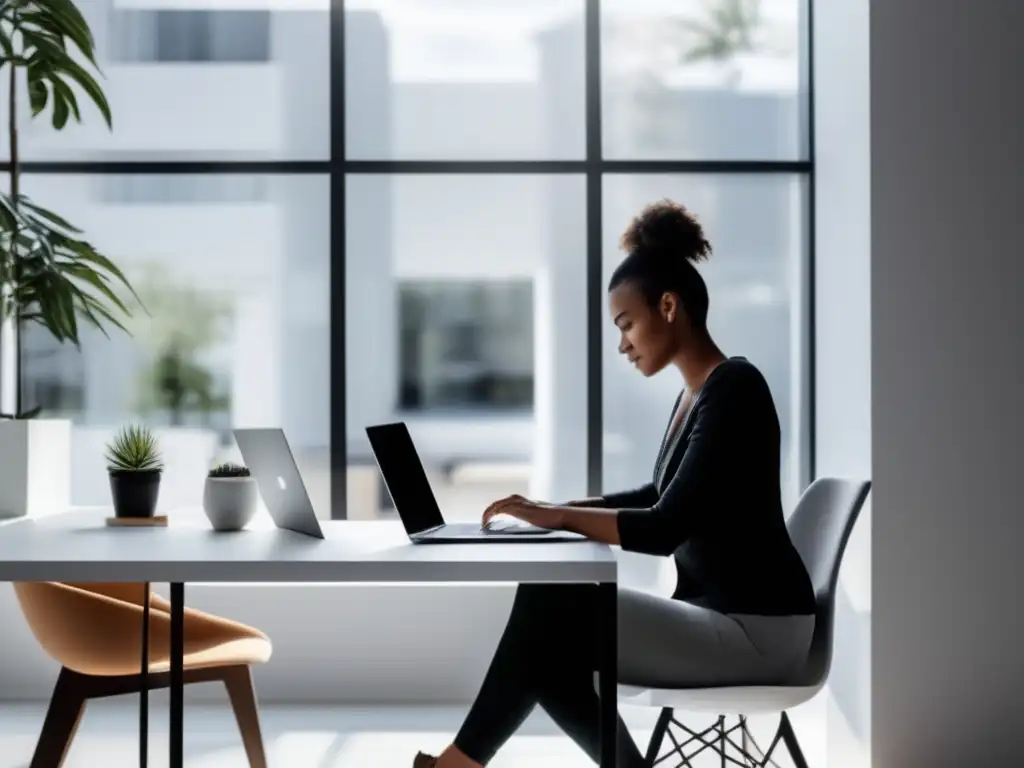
(92, 89)
(97, 281)
(51, 217)
(61, 112)
(37, 96)
(74, 25)
(134, 448)
(6, 49)
(60, 281)
(8, 214)
(95, 308)
(61, 88)
(63, 64)
(41, 42)
(42, 247)
(47, 24)
(108, 317)
(66, 307)
(106, 264)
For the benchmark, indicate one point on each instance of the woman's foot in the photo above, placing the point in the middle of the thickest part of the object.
(451, 757)
(423, 761)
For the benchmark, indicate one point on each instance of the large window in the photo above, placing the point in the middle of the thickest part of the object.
(703, 80)
(350, 213)
(235, 329)
(465, 315)
(206, 81)
(487, 80)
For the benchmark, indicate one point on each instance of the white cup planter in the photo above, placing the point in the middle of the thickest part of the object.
(230, 502)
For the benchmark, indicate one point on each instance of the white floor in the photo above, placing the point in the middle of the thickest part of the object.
(331, 737)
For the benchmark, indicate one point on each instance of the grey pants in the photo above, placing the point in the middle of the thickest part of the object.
(547, 656)
(666, 643)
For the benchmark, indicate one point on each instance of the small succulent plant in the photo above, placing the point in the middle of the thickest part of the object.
(134, 449)
(229, 469)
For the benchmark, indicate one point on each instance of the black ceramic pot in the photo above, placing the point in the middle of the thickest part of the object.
(134, 492)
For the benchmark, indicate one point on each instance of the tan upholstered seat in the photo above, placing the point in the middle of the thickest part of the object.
(95, 632)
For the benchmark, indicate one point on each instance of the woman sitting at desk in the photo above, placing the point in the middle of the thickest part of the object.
(743, 608)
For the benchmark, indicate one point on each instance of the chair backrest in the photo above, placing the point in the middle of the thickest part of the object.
(820, 527)
(73, 623)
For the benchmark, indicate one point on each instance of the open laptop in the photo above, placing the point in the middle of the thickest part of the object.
(406, 481)
(269, 458)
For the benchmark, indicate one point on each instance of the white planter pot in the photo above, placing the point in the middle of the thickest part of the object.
(35, 467)
(230, 502)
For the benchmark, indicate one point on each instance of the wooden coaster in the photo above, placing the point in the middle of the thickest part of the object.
(159, 521)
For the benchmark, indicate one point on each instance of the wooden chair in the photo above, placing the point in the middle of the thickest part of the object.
(95, 632)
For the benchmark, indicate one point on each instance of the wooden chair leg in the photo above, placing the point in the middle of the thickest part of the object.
(242, 694)
(62, 717)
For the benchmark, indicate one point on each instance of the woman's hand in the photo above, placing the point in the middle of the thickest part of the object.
(597, 524)
(532, 512)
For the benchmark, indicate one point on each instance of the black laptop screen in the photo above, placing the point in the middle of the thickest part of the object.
(403, 474)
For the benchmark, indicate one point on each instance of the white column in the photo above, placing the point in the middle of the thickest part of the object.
(560, 380)
(256, 359)
(843, 350)
(300, 51)
(560, 299)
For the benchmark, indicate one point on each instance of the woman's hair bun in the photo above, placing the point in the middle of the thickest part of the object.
(665, 229)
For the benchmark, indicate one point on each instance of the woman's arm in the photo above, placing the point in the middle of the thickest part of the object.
(597, 517)
(643, 496)
(593, 501)
(593, 522)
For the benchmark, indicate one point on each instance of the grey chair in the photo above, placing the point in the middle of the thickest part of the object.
(820, 527)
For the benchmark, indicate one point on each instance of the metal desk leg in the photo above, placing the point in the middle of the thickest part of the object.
(144, 682)
(608, 670)
(177, 675)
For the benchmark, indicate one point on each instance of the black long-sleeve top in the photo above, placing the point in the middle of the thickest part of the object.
(715, 503)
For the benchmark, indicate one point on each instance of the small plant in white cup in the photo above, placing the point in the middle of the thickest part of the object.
(229, 498)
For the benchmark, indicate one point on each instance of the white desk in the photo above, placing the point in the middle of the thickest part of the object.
(77, 546)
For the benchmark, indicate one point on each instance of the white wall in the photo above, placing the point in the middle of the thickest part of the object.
(842, 346)
(947, 165)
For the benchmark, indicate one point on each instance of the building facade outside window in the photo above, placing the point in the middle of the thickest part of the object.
(197, 36)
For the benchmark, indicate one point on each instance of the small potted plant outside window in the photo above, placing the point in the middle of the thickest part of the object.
(135, 466)
(229, 498)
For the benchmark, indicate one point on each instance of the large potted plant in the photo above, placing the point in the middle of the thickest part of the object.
(49, 274)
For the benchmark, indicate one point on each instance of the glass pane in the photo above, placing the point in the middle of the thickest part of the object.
(205, 81)
(465, 317)
(237, 332)
(756, 229)
(461, 79)
(703, 80)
